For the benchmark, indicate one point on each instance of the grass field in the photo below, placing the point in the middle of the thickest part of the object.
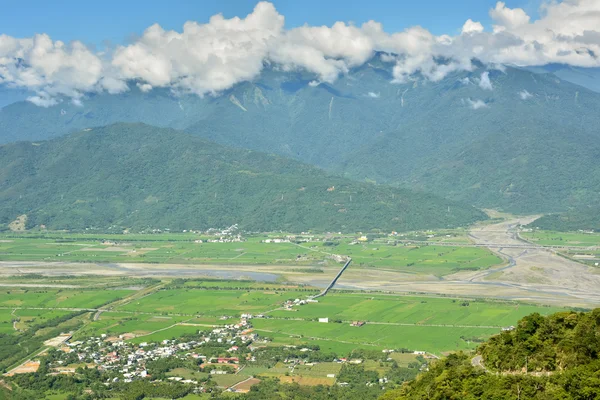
(552, 238)
(422, 257)
(581, 241)
(434, 324)
(6, 325)
(212, 302)
(329, 336)
(412, 310)
(58, 298)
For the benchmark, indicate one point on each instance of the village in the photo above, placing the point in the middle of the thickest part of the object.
(223, 350)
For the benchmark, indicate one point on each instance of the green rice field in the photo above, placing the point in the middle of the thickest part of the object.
(434, 324)
(551, 238)
(390, 253)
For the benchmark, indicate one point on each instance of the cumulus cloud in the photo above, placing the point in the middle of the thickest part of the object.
(203, 58)
(484, 81)
(209, 57)
(144, 87)
(373, 95)
(472, 27)
(43, 100)
(524, 95)
(507, 18)
(476, 104)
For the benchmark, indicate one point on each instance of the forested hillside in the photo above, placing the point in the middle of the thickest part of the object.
(583, 218)
(510, 139)
(554, 357)
(138, 176)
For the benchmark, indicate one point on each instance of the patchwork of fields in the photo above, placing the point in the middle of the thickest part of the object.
(399, 254)
(551, 238)
(434, 324)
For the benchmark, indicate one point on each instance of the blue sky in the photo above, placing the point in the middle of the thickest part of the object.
(94, 21)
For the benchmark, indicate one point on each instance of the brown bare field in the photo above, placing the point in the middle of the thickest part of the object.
(25, 368)
(307, 380)
(244, 386)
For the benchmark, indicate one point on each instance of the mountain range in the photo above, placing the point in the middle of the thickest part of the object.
(520, 140)
(143, 177)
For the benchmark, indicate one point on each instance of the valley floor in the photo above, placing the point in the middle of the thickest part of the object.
(530, 272)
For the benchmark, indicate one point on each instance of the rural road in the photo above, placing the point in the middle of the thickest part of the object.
(477, 362)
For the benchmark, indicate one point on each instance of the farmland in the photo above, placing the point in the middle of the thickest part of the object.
(58, 298)
(398, 253)
(434, 324)
(583, 247)
(552, 238)
(285, 331)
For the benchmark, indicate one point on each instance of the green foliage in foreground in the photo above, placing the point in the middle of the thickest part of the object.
(456, 378)
(137, 176)
(563, 363)
(554, 343)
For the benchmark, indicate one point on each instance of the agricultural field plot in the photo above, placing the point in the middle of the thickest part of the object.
(138, 325)
(413, 310)
(58, 298)
(6, 324)
(28, 318)
(148, 249)
(372, 365)
(591, 258)
(380, 253)
(429, 259)
(225, 381)
(403, 359)
(378, 337)
(319, 370)
(552, 238)
(307, 380)
(71, 282)
(211, 302)
(187, 373)
(242, 284)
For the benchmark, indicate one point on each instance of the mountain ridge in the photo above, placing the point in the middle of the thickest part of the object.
(142, 177)
(518, 141)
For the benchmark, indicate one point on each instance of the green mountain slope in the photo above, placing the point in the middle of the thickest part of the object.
(530, 144)
(583, 218)
(554, 357)
(134, 175)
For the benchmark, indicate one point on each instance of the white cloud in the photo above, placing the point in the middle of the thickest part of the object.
(472, 27)
(507, 18)
(476, 104)
(484, 81)
(209, 57)
(144, 87)
(524, 95)
(373, 95)
(203, 58)
(43, 100)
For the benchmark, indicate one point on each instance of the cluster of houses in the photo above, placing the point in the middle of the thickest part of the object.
(126, 361)
(223, 239)
(289, 304)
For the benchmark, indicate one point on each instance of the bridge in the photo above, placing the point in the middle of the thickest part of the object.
(324, 292)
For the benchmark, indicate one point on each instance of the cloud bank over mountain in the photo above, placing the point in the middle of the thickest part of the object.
(206, 58)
